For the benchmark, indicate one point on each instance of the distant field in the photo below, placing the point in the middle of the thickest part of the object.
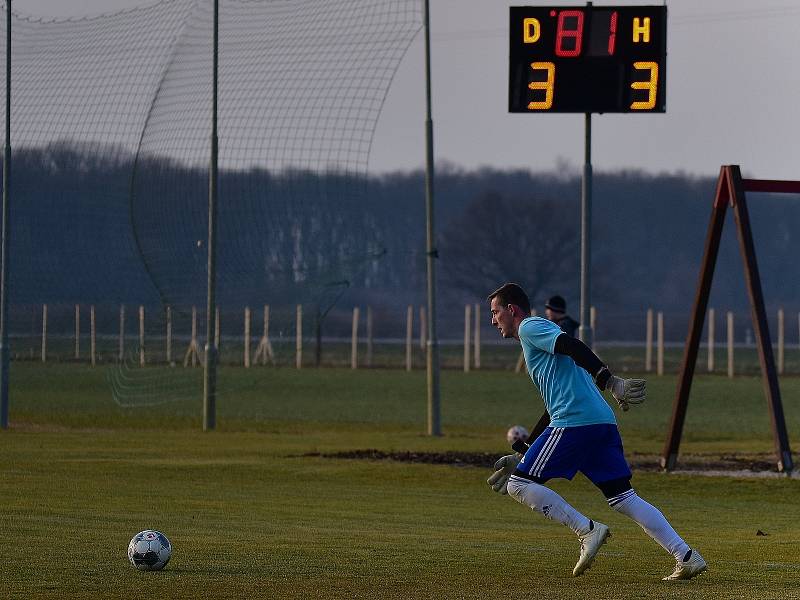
(251, 517)
(495, 354)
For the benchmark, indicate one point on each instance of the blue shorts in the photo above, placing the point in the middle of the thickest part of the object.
(560, 452)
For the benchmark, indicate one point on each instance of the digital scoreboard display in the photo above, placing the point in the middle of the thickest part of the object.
(603, 59)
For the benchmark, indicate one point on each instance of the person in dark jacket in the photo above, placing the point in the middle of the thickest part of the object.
(556, 311)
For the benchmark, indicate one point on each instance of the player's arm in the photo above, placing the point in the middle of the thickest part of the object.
(537, 429)
(521, 446)
(625, 391)
(505, 466)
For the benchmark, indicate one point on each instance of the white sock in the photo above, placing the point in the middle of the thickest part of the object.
(651, 520)
(546, 501)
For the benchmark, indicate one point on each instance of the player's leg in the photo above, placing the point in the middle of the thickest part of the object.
(554, 454)
(626, 501)
(607, 468)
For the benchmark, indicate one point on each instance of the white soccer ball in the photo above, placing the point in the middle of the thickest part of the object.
(517, 432)
(149, 550)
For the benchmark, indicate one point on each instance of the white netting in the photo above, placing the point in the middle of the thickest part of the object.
(111, 128)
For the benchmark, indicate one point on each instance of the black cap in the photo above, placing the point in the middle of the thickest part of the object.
(557, 304)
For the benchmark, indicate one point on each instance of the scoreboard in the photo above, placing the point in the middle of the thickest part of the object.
(602, 59)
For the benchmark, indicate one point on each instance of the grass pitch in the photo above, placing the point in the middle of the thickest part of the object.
(251, 517)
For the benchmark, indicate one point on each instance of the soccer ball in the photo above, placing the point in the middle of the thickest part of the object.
(149, 550)
(517, 432)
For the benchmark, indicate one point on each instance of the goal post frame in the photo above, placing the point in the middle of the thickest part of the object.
(730, 192)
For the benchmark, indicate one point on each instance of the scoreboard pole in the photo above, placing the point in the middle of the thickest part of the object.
(4, 234)
(585, 332)
(584, 60)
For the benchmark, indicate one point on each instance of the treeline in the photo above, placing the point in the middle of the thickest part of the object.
(109, 228)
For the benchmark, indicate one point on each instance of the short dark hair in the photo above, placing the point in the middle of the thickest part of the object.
(511, 293)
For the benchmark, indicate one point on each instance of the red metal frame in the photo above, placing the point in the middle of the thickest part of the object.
(731, 192)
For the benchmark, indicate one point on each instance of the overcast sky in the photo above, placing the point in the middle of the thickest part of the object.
(733, 91)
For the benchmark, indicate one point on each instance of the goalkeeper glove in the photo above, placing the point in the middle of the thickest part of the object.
(627, 391)
(504, 468)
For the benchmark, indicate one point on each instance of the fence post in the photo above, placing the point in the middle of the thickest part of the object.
(660, 335)
(298, 344)
(409, 335)
(169, 335)
(44, 333)
(354, 340)
(264, 349)
(141, 335)
(711, 336)
(730, 344)
(121, 356)
(77, 331)
(216, 331)
(92, 336)
(477, 337)
(780, 342)
(648, 342)
(247, 337)
(368, 360)
(423, 328)
(467, 337)
(268, 353)
(193, 349)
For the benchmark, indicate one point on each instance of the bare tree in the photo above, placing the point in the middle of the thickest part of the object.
(496, 239)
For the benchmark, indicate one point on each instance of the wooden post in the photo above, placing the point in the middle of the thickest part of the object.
(423, 328)
(216, 330)
(368, 361)
(77, 331)
(780, 342)
(648, 342)
(660, 350)
(169, 335)
(44, 333)
(247, 337)
(298, 343)
(476, 336)
(141, 336)
(409, 334)
(267, 353)
(192, 351)
(730, 344)
(354, 340)
(730, 191)
(264, 349)
(121, 355)
(92, 336)
(711, 336)
(467, 336)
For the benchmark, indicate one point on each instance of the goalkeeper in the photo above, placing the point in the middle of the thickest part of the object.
(577, 433)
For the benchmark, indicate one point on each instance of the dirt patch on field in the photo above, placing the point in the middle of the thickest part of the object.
(733, 464)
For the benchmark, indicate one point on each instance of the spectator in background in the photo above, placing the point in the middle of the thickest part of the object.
(556, 311)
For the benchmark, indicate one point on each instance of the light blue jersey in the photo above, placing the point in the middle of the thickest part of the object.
(570, 396)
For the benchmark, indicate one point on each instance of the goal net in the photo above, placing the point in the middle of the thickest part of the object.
(111, 136)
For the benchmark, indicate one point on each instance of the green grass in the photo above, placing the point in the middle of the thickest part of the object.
(250, 517)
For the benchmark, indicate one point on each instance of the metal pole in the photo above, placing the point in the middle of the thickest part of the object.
(210, 371)
(432, 358)
(4, 349)
(585, 330)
